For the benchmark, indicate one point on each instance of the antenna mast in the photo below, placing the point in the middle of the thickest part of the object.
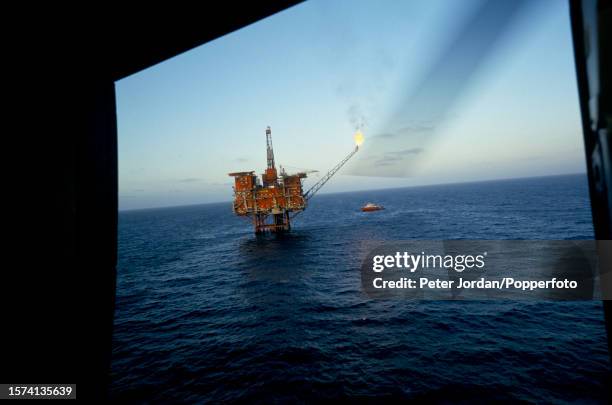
(269, 148)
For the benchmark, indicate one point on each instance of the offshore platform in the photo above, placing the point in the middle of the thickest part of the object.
(277, 199)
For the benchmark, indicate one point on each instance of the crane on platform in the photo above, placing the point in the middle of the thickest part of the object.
(317, 186)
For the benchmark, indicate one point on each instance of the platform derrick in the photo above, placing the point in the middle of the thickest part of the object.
(273, 202)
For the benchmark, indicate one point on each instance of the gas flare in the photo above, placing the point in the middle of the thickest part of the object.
(358, 138)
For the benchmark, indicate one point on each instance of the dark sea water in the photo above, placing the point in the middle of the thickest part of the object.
(208, 312)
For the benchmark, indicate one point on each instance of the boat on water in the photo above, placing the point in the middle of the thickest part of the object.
(372, 207)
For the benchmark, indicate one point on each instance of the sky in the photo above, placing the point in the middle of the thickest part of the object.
(443, 91)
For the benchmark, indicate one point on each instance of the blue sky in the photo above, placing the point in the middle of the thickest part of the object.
(432, 109)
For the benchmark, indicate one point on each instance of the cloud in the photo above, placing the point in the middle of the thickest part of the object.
(242, 160)
(417, 128)
(411, 151)
(384, 135)
(391, 158)
(189, 180)
(387, 161)
(380, 163)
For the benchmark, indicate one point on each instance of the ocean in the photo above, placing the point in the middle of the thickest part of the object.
(206, 311)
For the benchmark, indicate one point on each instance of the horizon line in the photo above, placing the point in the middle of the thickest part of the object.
(375, 189)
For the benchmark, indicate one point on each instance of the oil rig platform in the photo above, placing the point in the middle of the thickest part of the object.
(272, 202)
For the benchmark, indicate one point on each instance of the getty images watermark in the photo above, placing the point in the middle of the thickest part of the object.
(463, 269)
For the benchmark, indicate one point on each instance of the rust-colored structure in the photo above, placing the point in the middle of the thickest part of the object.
(271, 202)
(274, 197)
